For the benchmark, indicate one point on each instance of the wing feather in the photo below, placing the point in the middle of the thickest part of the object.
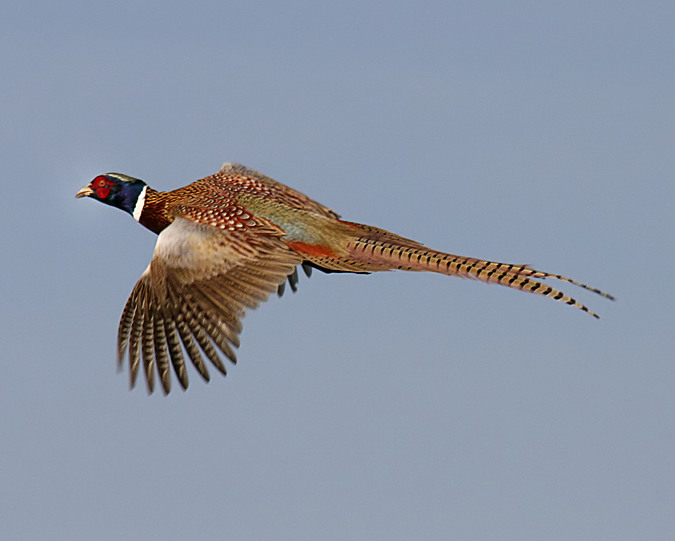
(192, 350)
(135, 338)
(233, 172)
(148, 343)
(193, 295)
(161, 350)
(175, 352)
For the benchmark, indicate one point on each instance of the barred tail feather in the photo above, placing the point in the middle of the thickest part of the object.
(378, 249)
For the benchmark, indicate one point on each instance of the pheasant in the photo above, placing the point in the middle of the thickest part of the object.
(227, 241)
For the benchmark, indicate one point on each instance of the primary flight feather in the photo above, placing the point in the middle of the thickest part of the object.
(229, 240)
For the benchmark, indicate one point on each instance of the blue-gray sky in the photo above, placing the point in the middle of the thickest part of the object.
(392, 406)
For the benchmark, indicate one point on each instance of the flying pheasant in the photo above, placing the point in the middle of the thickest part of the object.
(229, 240)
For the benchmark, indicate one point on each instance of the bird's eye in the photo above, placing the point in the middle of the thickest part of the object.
(101, 186)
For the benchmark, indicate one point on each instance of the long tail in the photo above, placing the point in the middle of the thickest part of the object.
(372, 249)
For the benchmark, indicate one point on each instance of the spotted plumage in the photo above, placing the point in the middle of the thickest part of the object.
(227, 241)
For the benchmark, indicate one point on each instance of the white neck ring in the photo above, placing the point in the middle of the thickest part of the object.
(140, 203)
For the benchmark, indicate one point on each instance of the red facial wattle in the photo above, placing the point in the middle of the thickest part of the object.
(101, 186)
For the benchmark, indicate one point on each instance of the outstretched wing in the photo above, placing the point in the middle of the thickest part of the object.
(192, 296)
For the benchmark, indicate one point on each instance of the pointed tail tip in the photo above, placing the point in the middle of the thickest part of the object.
(598, 291)
(589, 312)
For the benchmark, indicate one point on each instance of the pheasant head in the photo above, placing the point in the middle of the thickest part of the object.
(121, 191)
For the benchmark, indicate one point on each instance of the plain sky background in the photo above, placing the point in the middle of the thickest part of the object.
(391, 406)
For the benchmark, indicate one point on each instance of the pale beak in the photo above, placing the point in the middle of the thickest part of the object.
(85, 192)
